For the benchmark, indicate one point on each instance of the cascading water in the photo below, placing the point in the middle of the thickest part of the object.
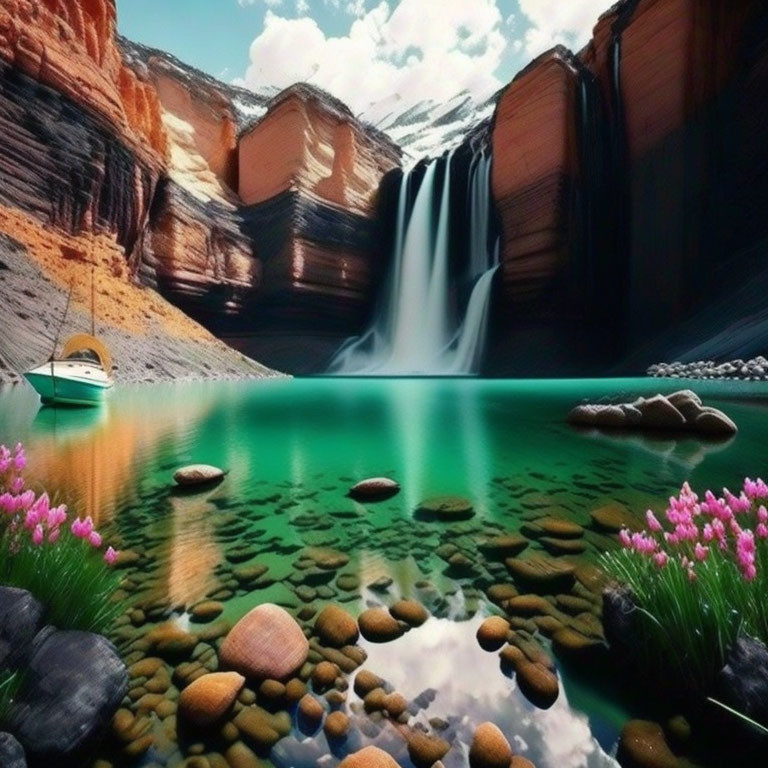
(418, 330)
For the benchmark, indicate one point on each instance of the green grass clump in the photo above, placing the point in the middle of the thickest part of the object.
(69, 578)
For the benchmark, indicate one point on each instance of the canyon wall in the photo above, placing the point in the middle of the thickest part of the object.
(628, 180)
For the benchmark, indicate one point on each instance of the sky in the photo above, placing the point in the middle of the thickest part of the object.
(362, 51)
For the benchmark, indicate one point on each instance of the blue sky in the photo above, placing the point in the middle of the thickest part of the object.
(363, 51)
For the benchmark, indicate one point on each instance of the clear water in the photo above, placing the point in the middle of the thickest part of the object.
(294, 447)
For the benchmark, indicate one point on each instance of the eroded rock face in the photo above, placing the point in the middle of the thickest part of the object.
(21, 617)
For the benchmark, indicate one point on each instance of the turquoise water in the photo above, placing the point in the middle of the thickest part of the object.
(294, 447)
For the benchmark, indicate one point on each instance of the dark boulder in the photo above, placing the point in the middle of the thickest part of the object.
(11, 752)
(21, 617)
(620, 624)
(72, 686)
(742, 684)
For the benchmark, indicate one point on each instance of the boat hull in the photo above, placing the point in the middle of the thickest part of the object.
(57, 390)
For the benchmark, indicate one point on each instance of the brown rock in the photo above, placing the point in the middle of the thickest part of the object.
(198, 474)
(446, 509)
(239, 756)
(311, 709)
(336, 725)
(614, 517)
(396, 705)
(325, 675)
(374, 489)
(370, 757)
(509, 545)
(425, 750)
(560, 528)
(542, 574)
(490, 748)
(210, 697)
(521, 762)
(265, 643)
(207, 611)
(365, 682)
(335, 627)
(538, 684)
(642, 745)
(410, 611)
(378, 625)
(492, 633)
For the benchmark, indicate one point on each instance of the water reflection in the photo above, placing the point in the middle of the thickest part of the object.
(444, 674)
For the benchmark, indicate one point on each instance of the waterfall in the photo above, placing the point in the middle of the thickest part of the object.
(421, 328)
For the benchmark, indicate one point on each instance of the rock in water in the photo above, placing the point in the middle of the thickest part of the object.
(72, 686)
(198, 474)
(743, 682)
(21, 618)
(208, 699)
(265, 643)
(336, 627)
(379, 626)
(446, 509)
(374, 489)
(490, 748)
(11, 752)
(370, 757)
(642, 745)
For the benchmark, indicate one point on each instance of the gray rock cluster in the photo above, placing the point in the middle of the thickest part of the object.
(73, 683)
(681, 411)
(755, 369)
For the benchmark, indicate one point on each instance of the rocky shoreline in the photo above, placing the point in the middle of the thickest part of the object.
(754, 369)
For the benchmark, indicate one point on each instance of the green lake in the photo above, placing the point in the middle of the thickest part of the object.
(294, 447)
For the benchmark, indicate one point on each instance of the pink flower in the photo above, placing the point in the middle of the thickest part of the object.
(625, 539)
(700, 552)
(94, 539)
(38, 535)
(762, 531)
(82, 529)
(653, 522)
(53, 535)
(661, 558)
(110, 556)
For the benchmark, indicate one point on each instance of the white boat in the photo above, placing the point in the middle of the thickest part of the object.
(81, 375)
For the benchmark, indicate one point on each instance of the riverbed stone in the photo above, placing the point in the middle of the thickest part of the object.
(336, 726)
(365, 682)
(311, 710)
(492, 633)
(198, 474)
(642, 745)
(378, 625)
(507, 545)
(714, 422)
(266, 643)
(324, 675)
(374, 489)
(559, 528)
(369, 757)
(538, 684)
(541, 574)
(445, 509)
(613, 517)
(206, 611)
(426, 749)
(489, 748)
(336, 627)
(410, 611)
(210, 697)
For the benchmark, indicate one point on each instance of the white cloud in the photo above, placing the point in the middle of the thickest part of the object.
(302, 7)
(418, 49)
(555, 21)
(270, 3)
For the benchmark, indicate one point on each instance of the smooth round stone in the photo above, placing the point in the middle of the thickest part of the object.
(714, 422)
(542, 574)
(559, 528)
(374, 489)
(207, 611)
(266, 643)
(538, 684)
(328, 559)
(336, 725)
(395, 704)
(658, 413)
(556, 546)
(505, 546)
(325, 675)
(613, 517)
(425, 750)
(197, 474)
(642, 745)
(378, 625)
(311, 709)
(365, 682)
(210, 697)
(446, 509)
(370, 757)
(490, 748)
(492, 633)
(410, 611)
(335, 627)
(499, 593)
